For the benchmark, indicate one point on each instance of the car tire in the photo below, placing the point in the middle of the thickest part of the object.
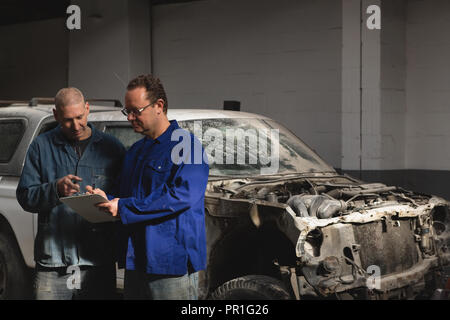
(252, 287)
(14, 275)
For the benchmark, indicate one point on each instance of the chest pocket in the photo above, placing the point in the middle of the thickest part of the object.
(102, 179)
(156, 173)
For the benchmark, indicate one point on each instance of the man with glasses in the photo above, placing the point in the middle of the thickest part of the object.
(160, 201)
(74, 258)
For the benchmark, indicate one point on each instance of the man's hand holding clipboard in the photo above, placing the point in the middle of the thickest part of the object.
(110, 207)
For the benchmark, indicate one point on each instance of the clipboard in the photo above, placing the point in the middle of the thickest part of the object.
(84, 205)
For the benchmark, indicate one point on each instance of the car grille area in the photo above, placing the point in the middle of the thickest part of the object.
(388, 244)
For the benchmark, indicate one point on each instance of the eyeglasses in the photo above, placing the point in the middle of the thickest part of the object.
(136, 112)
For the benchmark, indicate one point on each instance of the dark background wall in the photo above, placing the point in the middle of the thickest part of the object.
(372, 103)
(34, 58)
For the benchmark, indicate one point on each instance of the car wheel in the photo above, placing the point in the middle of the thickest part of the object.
(14, 277)
(252, 287)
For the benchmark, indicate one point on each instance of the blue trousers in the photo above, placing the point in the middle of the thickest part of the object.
(140, 285)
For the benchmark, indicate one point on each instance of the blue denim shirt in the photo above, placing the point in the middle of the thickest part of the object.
(64, 238)
(162, 204)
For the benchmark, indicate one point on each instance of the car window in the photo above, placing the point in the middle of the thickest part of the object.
(11, 132)
(124, 133)
(47, 127)
(244, 157)
(293, 151)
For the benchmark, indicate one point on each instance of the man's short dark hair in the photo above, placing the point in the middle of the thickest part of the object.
(152, 85)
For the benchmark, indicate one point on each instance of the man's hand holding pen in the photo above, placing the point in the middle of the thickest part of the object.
(68, 185)
(110, 207)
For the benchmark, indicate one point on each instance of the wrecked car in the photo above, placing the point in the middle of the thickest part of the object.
(281, 223)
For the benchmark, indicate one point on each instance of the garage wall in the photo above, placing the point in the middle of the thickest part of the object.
(427, 147)
(112, 46)
(373, 85)
(428, 85)
(33, 59)
(385, 117)
(393, 84)
(294, 61)
(415, 92)
(281, 59)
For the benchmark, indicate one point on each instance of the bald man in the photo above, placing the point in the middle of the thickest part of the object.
(74, 258)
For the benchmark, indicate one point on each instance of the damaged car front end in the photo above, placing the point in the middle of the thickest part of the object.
(351, 239)
(322, 234)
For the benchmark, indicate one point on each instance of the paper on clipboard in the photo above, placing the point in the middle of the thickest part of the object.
(84, 205)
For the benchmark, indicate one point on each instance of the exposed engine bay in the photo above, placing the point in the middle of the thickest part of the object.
(350, 237)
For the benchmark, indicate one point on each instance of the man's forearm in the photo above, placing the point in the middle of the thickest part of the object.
(39, 197)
